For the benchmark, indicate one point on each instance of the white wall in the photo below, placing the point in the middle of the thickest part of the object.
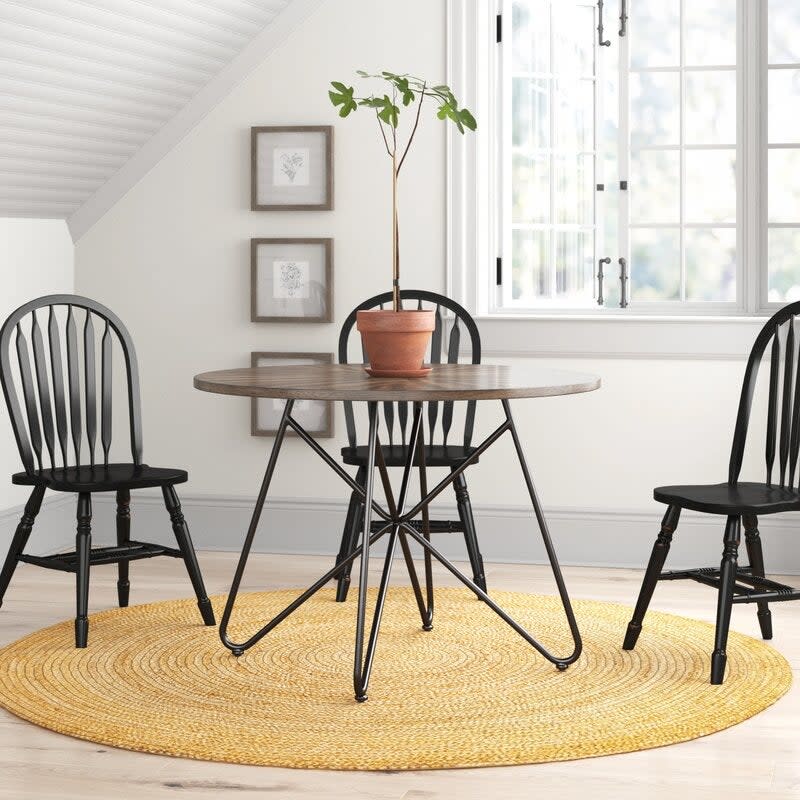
(172, 259)
(36, 258)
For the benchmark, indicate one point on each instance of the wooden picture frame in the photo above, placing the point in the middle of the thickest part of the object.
(291, 280)
(291, 168)
(308, 408)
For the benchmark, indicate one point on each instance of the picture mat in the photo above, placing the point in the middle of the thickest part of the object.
(273, 190)
(274, 300)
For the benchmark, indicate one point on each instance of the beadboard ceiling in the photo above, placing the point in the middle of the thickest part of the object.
(94, 92)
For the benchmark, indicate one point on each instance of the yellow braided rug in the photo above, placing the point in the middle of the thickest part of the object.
(469, 693)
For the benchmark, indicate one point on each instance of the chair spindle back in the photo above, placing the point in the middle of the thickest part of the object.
(54, 421)
(783, 402)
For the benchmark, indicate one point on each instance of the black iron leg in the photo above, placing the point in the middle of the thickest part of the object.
(752, 541)
(654, 567)
(83, 544)
(123, 538)
(20, 539)
(548, 545)
(361, 670)
(427, 620)
(470, 536)
(181, 531)
(352, 527)
(727, 579)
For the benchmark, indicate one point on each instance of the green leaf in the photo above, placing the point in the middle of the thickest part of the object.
(371, 102)
(389, 112)
(343, 96)
(362, 73)
(442, 88)
(405, 90)
(467, 119)
(449, 110)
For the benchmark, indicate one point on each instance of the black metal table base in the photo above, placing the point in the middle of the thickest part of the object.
(397, 523)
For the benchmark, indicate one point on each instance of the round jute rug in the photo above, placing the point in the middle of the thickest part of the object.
(469, 693)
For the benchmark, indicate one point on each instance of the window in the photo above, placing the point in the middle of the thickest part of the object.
(783, 151)
(640, 157)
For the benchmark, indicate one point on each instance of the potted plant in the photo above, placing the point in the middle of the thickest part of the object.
(396, 340)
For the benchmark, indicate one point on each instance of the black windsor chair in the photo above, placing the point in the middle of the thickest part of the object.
(68, 462)
(741, 502)
(394, 453)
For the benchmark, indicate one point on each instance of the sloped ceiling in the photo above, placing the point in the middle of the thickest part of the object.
(87, 85)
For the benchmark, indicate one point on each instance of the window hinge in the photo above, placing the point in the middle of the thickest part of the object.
(499, 271)
(623, 186)
(601, 187)
(499, 29)
(623, 17)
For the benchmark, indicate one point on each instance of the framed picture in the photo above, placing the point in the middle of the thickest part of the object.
(292, 168)
(291, 280)
(316, 416)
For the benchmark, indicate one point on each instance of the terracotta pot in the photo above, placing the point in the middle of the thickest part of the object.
(396, 341)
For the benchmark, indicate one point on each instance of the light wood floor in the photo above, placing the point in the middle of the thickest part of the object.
(760, 757)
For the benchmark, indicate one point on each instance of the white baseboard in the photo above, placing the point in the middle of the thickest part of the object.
(54, 528)
(583, 537)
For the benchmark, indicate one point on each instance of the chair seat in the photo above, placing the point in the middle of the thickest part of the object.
(729, 499)
(102, 477)
(396, 455)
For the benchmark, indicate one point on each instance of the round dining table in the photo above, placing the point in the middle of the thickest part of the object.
(350, 383)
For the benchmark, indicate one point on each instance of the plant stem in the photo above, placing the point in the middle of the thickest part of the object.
(383, 133)
(414, 129)
(395, 240)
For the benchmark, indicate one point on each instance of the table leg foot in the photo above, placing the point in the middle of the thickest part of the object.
(561, 667)
(361, 698)
(237, 651)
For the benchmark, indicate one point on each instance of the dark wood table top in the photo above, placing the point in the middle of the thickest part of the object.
(350, 382)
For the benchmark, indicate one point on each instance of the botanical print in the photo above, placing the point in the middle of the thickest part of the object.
(290, 166)
(290, 279)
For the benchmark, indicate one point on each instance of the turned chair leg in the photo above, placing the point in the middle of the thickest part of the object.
(352, 527)
(123, 538)
(83, 545)
(21, 536)
(752, 541)
(654, 567)
(727, 580)
(470, 536)
(181, 531)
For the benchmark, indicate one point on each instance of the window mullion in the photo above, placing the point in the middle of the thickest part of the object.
(552, 268)
(624, 157)
(599, 177)
(681, 150)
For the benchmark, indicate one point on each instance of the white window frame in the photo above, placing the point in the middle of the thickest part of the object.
(473, 223)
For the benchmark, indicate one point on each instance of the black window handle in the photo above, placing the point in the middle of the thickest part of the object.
(606, 260)
(607, 42)
(623, 283)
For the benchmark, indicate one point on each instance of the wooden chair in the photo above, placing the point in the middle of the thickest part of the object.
(69, 462)
(738, 501)
(445, 454)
